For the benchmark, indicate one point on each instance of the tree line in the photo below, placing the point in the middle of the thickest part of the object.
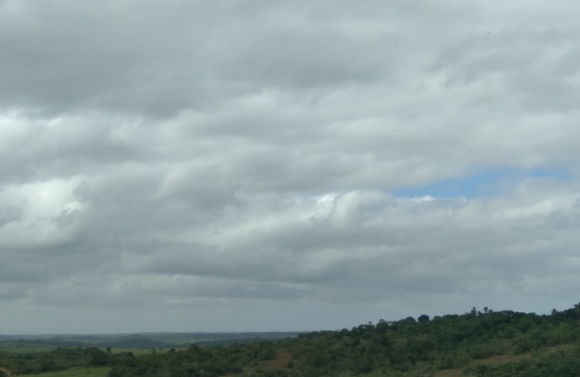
(532, 346)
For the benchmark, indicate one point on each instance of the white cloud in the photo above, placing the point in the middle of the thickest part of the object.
(40, 211)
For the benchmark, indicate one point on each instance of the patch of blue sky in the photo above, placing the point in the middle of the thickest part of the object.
(484, 183)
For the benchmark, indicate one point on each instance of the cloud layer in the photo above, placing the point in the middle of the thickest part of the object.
(242, 165)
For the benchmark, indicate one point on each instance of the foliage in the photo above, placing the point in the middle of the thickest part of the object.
(59, 360)
(197, 361)
(557, 364)
(76, 372)
(409, 347)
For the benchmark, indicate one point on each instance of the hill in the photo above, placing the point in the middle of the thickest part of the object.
(474, 344)
(478, 343)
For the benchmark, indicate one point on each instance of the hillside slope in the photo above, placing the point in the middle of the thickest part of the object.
(475, 344)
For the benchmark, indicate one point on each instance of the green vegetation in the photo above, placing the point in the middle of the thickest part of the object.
(24, 347)
(61, 359)
(140, 351)
(426, 346)
(475, 344)
(77, 372)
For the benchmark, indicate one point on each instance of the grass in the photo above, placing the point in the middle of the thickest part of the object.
(75, 372)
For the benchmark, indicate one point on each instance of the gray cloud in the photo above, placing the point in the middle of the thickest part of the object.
(236, 165)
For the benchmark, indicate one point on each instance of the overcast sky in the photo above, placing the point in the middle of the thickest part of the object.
(285, 165)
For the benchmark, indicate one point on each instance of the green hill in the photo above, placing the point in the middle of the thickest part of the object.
(478, 343)
(474, 344)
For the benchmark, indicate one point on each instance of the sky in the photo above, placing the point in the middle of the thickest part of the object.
(292, 165)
